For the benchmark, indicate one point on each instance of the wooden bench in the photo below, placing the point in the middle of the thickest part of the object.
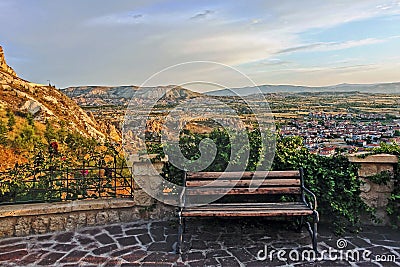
(258, 188)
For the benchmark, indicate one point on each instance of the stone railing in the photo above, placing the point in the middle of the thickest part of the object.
(146, 173)
(375, 195)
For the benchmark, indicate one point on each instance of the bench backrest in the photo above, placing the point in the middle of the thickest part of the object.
(244, 183)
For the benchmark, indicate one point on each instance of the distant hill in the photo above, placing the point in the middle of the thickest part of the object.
(388, 88)
(92, 96)
(121, 95)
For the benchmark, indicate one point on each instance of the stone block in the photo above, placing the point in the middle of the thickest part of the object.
(388, 188)
(144, 168)
(40, 224)
(90, 218)
(102, 218)
(155, 183)
(379, 158)
(127, 215)
(81, 219)
(57, 223)
(142, 198)
(382, 217)
(371, 199)
(148, 182)
(23, 226)
(70, 223)
(367, 169)
(140, 181)
(366, 186)
(383, 200)
(385, 167)
(113, 216)
(158, 166)
(7, 226)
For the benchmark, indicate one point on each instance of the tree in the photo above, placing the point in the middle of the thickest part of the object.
(29, 119)
(3, 133)
(11, 120)
(50, 133)
(26, 138)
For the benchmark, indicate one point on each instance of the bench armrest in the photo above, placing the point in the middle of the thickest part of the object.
(182, 198)
(313, 205)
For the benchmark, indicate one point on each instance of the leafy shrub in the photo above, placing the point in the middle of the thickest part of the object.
(3, 133)
(63, 154)
(26, 138)
(333, 180)
(11, 120)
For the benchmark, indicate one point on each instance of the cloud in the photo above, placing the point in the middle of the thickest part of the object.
(203, 14)
(329, 46)
(275, 62)
(116, 19)
(360, 67)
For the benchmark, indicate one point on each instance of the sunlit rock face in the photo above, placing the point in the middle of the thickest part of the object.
(44, 103)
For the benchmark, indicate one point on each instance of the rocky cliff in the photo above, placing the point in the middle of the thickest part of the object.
(3, 65)
(44, 103)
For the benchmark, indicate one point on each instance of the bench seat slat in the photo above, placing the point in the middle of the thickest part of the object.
(250, 206)
(231, 183)
(277, 213)
(255, 204)
(249, 209)
(242, 175)
(242, 191)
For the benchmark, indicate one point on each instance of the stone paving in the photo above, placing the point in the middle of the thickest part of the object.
(208, 242)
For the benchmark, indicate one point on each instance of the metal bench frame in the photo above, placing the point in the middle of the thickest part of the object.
(279, 209)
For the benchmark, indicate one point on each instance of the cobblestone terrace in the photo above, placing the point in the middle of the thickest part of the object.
(208, 242)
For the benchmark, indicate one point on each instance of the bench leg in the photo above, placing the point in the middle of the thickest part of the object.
(313, 230)
(300, 223)
(179, 244)
(314, 237)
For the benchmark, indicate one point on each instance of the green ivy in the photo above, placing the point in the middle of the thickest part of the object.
(381, 178)
(393, 206)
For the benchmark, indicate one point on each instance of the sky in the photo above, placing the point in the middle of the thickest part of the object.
(124, 42)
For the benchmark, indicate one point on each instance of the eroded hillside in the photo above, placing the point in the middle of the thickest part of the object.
(29, 110)
(44, 103)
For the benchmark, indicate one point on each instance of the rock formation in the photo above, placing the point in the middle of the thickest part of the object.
(3, 65)
(44, 102)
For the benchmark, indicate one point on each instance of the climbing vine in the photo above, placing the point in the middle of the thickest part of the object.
(393, 206)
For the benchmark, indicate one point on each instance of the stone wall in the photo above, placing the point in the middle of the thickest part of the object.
(22, 220)
(375, 195)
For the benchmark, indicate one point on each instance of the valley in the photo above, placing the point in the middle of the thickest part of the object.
(329, 122)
